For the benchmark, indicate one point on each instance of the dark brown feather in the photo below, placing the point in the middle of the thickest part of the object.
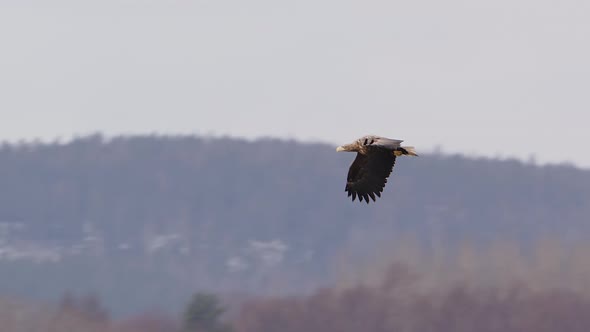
(368, 173)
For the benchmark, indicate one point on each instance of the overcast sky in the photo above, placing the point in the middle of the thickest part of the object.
(490, 77)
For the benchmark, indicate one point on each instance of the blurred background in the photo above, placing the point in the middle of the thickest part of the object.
(171, 165)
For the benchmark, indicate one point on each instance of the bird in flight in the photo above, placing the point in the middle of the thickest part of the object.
(375, 158)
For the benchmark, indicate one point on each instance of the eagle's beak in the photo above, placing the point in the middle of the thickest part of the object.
(340, 149)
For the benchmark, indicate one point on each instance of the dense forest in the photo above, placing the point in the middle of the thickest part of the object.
(146, 221)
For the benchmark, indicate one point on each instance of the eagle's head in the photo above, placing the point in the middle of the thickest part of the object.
(348, 148)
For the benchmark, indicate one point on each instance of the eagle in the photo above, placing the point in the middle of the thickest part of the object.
(375, 158)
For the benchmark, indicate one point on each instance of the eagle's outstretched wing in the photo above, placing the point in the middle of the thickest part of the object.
(368, 173)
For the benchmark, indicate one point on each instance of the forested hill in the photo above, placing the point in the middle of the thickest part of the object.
(217, 212)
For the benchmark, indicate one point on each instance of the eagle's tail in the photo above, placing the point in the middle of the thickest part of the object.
(405, 150)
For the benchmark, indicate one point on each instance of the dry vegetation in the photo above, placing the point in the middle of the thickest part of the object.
(502, 288)
(397, 305)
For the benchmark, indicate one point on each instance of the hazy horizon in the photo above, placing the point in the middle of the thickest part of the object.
(445, 150)
(492, 78)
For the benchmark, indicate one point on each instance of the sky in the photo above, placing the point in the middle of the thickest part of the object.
(496, 78)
